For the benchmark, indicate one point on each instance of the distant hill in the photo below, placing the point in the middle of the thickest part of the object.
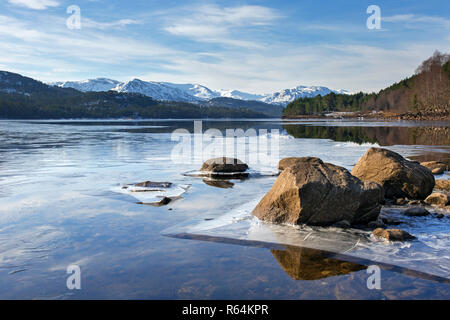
(25, 98)
(257, 106)
(426, 93)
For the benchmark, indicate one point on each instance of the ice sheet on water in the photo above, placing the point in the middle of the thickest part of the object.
(149, 195)
(429, 254)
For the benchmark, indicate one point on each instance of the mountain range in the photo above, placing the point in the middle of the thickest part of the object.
(193, 93)
(26, 98)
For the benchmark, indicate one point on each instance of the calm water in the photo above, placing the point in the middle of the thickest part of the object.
(59, 206)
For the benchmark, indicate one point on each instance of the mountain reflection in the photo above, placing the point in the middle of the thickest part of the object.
(310, 264)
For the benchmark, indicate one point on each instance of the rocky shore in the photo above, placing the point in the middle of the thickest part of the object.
(380, 115)
(309, 191)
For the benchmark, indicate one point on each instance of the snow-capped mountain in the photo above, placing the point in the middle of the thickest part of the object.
(194, 93)
(196, 90)
(97, 85)
(157, 90)
(285, 96)
(235, 94)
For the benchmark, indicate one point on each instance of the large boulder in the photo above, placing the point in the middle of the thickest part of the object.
(399, 177)
(287, 162)
(317, 193)
(224, 165)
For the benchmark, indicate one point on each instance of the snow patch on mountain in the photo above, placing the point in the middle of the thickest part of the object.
(96, 85)
(157, 90)
(285, 96)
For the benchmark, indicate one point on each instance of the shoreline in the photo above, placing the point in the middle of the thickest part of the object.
(371, 116)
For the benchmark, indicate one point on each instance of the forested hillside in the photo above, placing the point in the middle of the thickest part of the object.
(427, 92)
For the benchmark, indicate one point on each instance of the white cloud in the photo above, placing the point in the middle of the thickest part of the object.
(35, 4)
(88, 23)
(215, 24)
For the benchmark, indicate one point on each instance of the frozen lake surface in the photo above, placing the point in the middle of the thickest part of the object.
(61, 204)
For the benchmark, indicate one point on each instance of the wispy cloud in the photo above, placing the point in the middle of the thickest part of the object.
(417, 21)
(35, 4)
(89, 23)
(215, 24)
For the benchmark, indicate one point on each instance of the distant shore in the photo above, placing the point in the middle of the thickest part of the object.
(387, 116)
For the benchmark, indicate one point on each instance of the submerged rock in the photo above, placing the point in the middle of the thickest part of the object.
(416, 212)
(438, 199)
(399, 177)
(224, 165)
(442, 185)
(390, 221)
(392, 234)
(317, 193)
(400, 201)
(436, 167)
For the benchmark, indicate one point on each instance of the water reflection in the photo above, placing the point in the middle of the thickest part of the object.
(310, 264)
(223, 184)
(384, 136)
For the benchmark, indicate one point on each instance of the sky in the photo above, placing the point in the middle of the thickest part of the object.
(253, 46)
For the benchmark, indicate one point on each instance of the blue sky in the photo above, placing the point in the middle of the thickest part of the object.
(255, 46)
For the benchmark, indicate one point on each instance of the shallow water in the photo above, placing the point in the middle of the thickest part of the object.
(59, 206)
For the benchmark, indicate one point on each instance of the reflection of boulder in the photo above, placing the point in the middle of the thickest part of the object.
(310, 264)
(224, 184)
(399, 177)
(317, 193)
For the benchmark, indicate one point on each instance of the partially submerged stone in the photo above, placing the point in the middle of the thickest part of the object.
(442, 185)
(390, 221)
(416, 212)
(399, 177)
(438, 199)
(317, 193)
(436, 167)
(400, 201)
(153, 184)
(393, 234)
(224, 165)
